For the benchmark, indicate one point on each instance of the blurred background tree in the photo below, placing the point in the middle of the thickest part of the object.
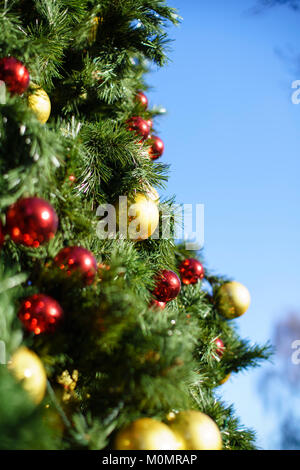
(279, 386)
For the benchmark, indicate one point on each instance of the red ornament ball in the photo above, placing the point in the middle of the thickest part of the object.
(191, 270)
(142, 99)
(167, 286)
(77, 261)
(139, 126)
(220, 347)
(31, 221)
(150, 123)
(157, 304)
(14, 74)
(40, 314)
(72, 178)
(157, 147)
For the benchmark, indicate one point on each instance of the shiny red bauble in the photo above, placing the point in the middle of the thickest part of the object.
(167, 286)
(142, 99)
(220, 347)
(191, 270)
(40, 314)
(150, 123)
(78, 262)
(157, 147)
(157, 304)
(14, 74)
(31, 221)
(139, 126)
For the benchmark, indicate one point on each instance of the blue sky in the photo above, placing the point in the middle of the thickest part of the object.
(232, 138)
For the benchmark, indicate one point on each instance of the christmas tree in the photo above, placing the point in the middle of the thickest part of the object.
(109, 339)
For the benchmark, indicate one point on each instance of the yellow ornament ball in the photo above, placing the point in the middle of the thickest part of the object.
(28, 368)
(141, 218)
(146, 434)
(39, 102)
(144, 217)
(233, 299)
(94, 28)
(197, 430)
(227, 377)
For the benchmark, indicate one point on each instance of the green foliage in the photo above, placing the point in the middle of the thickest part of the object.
(132, 360)
(22, 424)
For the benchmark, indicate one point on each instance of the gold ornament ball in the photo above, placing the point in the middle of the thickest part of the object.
(94, 28)
(146, 217)
(233, 299)
(142, 217)
(170, 416)
(227, 377)
(197, 430)
(146, 434)
(28, 368)
(39, 103)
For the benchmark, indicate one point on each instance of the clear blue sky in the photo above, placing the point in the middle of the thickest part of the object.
(232, 138)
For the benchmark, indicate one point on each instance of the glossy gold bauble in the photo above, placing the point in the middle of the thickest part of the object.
(94, 28)
(28, 368)
(141, 218)
(233, 299)
(227, 377)
(197, 430)
(39, 102)
(145, 217)
(146, 434)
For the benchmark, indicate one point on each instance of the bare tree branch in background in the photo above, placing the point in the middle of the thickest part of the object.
(263, 5)
(294, 4)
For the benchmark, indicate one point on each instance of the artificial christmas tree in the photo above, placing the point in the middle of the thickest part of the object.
(89, 307)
